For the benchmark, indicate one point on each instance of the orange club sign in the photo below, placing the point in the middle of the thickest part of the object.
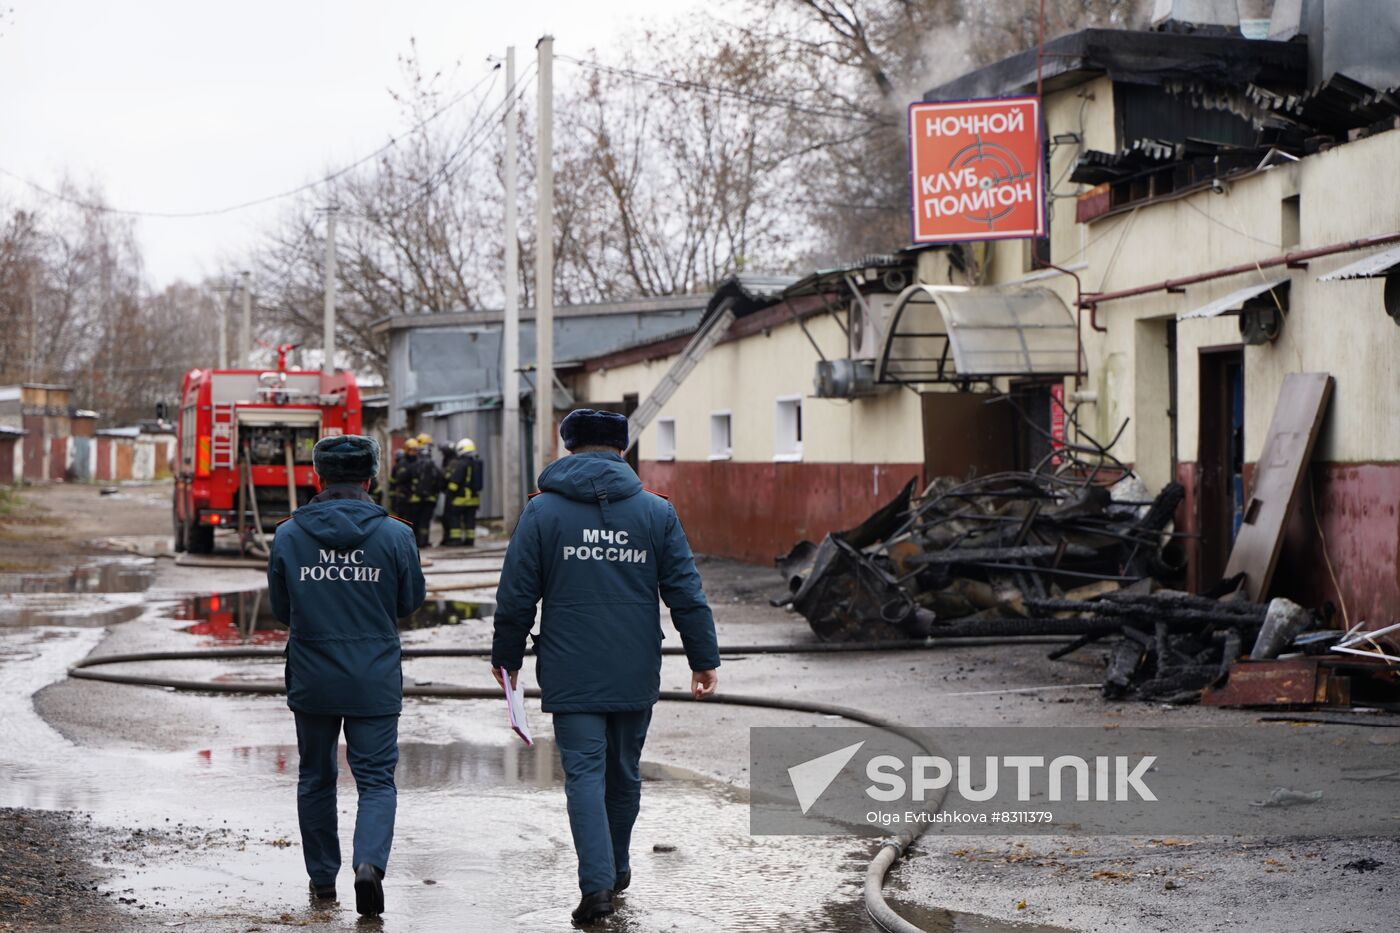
(976, 170)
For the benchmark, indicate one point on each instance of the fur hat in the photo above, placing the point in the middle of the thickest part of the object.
(346, 458)
(588, 428)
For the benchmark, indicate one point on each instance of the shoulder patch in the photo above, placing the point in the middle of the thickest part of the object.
(404, 520)
(660, 495)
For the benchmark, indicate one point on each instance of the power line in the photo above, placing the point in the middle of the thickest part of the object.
(1224, 226)
(215, 212)
(472, 132)
(460, 156)
(699, 86)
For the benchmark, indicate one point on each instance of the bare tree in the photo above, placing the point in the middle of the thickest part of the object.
(418, 228)
(877, 56)
(709, 146)
(75, 309)
(667, 186)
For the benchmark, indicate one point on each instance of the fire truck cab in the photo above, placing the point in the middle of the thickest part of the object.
(243, 446)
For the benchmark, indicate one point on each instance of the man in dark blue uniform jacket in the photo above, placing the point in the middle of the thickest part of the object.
(341, 575)
(598, 549)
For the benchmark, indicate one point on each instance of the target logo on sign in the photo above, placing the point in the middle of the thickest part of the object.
(976, 170)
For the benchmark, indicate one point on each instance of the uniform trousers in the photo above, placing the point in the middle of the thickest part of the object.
(601, 754)
(372, 751)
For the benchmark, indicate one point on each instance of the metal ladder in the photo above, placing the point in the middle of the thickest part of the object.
(221, 440)
(709, 334)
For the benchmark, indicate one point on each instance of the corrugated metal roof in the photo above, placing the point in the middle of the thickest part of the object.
(1134, 56)
(1232, 301)
(492, 316)
(834, 279)
(1373, 266)
(749, 293)
(1335, 106)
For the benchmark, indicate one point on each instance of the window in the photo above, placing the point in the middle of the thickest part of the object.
(188, 426)
(787, 429)
(720, 439)
(666, 439)
(1291, 222)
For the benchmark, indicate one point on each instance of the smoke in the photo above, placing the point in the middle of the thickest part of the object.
(944, 53)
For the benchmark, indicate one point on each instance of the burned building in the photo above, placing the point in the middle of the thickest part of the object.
(1224, 217)
(1230, 210)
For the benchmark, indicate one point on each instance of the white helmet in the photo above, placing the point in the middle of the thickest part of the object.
(466, 446)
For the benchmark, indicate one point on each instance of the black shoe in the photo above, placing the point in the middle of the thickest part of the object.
(624, 878)
(595, 905)
(369, 891)
(322, 892)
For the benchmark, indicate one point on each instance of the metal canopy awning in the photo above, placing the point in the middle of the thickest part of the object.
(956, 334)
(1233, 301)
(1376, 265)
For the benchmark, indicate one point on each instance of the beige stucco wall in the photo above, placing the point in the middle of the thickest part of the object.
(1348, 192)
(1336, 327)
(1345, 193)
(747, 376)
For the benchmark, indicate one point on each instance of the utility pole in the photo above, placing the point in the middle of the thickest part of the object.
(510, 348)
(544, 263)
(33, 324)
(223, 332)
(245, 326)
(328, 325)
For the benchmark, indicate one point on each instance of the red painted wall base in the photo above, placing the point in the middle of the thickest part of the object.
(755, 512)
(1359, 507)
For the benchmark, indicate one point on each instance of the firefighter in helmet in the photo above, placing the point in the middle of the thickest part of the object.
(463, 494)
(449, 453)
(401, 478)
(424, 490)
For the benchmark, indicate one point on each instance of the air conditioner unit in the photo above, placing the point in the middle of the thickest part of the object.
(866, 332)
(846, 379)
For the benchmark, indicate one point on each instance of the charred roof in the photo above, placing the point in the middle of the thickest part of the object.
(1134, 57)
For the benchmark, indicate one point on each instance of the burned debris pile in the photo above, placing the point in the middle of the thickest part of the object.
(977, 553)
(1036, 554)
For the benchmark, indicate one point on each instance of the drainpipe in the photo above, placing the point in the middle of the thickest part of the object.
(1298, 259)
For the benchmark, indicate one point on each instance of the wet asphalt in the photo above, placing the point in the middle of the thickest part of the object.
(200, 789)
(204, 786)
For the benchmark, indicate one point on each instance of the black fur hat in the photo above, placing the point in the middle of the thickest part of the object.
(345, 458)
(588, 428)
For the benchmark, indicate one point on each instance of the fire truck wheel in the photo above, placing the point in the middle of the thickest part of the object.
(179, 536)
(200, 539)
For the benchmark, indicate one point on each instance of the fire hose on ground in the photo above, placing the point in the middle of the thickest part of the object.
(889, 853)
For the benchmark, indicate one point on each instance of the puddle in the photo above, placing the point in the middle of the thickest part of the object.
(88, 596)
(936, 920)
(25, 610)
(423, 766)
(245, 618)
(118, 575)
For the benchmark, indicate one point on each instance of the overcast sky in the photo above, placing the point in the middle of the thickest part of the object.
(179, 105)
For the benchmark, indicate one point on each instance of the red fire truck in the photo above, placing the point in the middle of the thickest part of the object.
(243, 446)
